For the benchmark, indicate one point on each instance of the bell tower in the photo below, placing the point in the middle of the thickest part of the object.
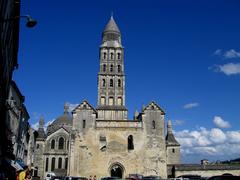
(111, 77)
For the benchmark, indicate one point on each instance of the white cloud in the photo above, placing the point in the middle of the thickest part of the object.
(36, 125)
(231, 54)
(178, 122)
(71, 106)
(219, 122)
(209, 143)
(218, 52)
(191, 105)
(229, 69)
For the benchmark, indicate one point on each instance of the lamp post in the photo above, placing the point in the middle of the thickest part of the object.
(30, 21)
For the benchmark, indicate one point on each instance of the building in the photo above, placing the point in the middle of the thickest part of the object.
(9, 36)
(102, 141)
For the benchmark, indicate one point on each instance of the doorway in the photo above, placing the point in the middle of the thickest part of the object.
(117, 171)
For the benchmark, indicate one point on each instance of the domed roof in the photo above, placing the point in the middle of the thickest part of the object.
(111, 26)
(64, 119)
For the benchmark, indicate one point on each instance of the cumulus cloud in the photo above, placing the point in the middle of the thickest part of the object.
(219, 122)
(209, 142)
(191, 105)
(229, 68)
(229, 54)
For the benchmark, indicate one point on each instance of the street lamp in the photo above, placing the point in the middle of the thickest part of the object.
(30, 21)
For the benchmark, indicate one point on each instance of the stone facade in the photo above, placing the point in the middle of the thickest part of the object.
(102, 141)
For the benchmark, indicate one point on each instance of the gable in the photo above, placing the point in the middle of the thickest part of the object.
(84, 106)
(153, 106)
(61, 130)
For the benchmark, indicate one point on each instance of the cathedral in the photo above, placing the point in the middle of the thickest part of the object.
(101, 141)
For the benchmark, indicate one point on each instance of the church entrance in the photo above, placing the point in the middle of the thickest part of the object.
(117, 171)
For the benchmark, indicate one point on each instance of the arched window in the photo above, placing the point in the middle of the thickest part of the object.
(53, 164)
(111, 82)
(110, 102)
(53, 144)
(104, 68)
(61, 143)
(60, 163)
(104, 55)
(119, 68)
(119, 83)
(153, 124)
(130, 143)
(119, 55)
(103, 100)
(103, 83)
(111, 55)
(66, 163)
(84, 124)
(119, 101)
(173, 150)
(46, 165)
(111, 68)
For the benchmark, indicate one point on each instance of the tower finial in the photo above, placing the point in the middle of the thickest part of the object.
(169, 126)
(66, 108)
(111, 14)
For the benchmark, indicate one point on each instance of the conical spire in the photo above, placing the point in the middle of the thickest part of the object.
(170, 139)
(41, 122)
(169, 127)
(111, 26)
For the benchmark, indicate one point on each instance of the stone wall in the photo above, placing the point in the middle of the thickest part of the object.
(208, 173)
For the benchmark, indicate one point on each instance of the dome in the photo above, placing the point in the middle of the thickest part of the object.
(64, 120)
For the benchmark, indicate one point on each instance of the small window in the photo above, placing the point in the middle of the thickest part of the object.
(37, 146)
(119, 55)
(84, 124)
(152, 107)
(119, 83)
(130, 143)
(104, 55)
(103, 83)
(60, 163)
(119, 68)
(153, 124)
(46, 165)
(61, 143)
(173, 150)
(53, 144)
(111, 55)
(66, 163)
(84, 106)
(104, 68)
(53, 164)
(111, 82)
(111, 68)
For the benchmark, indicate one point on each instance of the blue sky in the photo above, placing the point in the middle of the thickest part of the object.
(184, 55)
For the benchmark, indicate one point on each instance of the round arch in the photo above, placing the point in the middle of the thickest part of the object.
(117, 170)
